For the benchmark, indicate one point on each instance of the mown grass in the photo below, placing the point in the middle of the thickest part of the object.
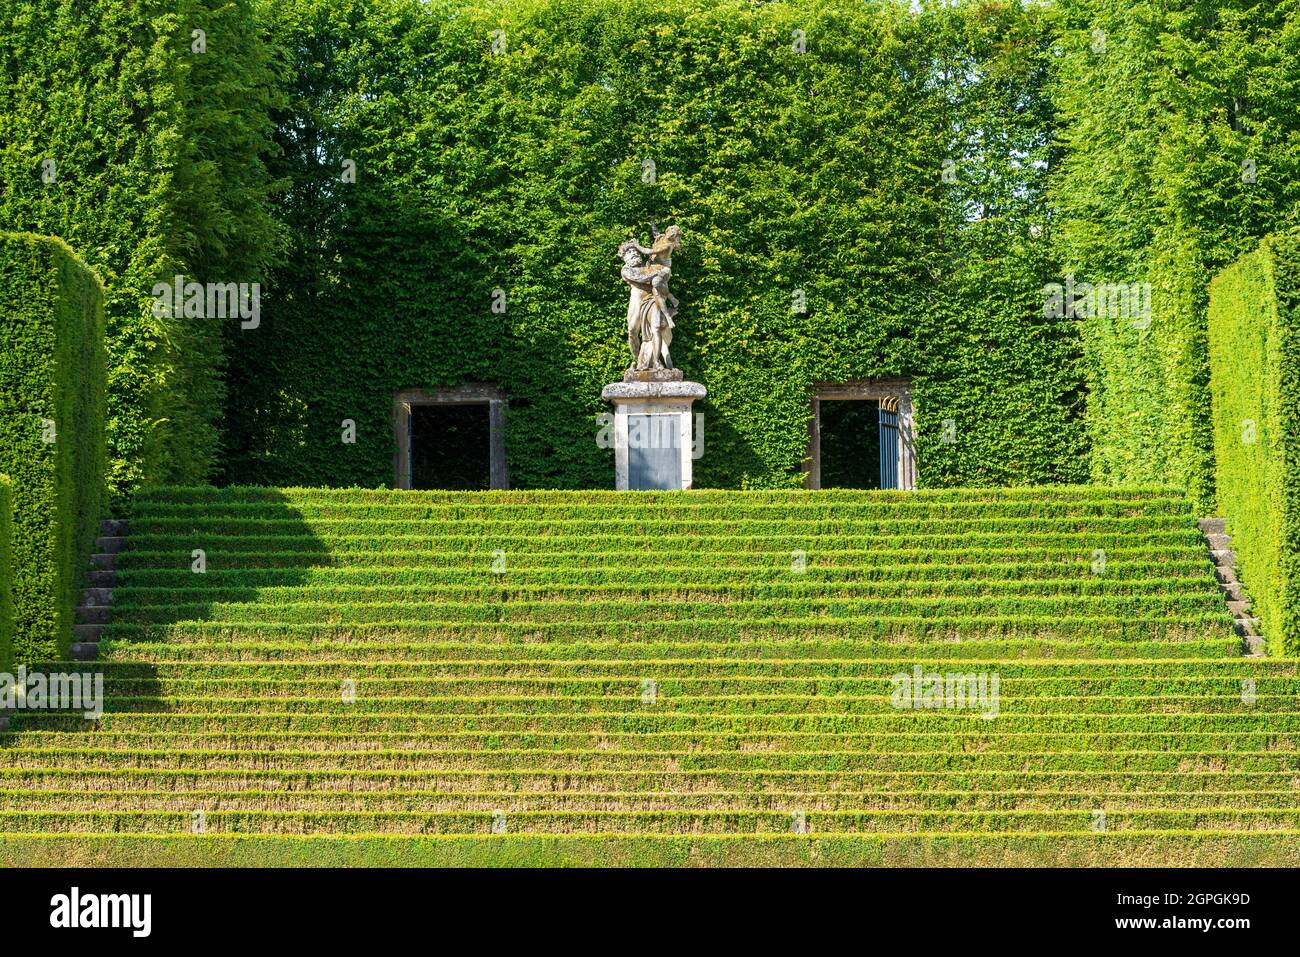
(497, 651)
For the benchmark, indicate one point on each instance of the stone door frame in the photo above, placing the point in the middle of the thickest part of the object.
(475, 393)
(889, 392)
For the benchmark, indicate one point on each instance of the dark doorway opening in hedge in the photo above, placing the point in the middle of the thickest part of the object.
(452, 437)
(850, 433)
(860, 435)
(451, 447)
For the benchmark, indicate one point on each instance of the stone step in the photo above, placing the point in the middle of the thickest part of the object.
(1247, 627)
(1239, 609)
(102, 578)
(1233, 591)
(1217, 540)
(104, 560)
(87, 634)
(1226, 576)
(97, 597)
(111, 543)
(88, 651)
(1212, 526)
(1224, 557)
(1252, 646)
(113, 527)
(93, 614)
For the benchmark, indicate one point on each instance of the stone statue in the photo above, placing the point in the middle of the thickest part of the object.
(651, 307)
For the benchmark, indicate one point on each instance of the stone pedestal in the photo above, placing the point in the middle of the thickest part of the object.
(654, 441)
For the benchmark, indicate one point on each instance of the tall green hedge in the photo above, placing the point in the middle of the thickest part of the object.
(6, 575)
(1254, 336)
(149, 158)
(505, 145)
(52, 409)
(1179, 127)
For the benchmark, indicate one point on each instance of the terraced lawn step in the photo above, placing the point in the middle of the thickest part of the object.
(858, 821)
(1184, 627)
(684, 782)
(598, 609)
(631, 650)
(627, 572)
(533, 760)
(522, 662)
(935, 502)
(623, 667)
(206, 495)
(570, 557)
(1064, 736)
(129, 600)
(520, 712)
(509, 801)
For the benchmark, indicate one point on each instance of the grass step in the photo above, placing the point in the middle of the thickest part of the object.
(64, 800)
(127, 598)
(630, 650)
(858, 821)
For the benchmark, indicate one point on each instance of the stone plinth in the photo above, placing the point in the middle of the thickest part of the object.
(653, 375)
(654, 440)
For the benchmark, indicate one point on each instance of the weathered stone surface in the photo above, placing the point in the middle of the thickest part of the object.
(110, 543)
(653, 375)
(93, 614)
(642, 391)
(97, 596)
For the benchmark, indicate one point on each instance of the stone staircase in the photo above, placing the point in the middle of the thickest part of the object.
(1225, 569)
(97, 598)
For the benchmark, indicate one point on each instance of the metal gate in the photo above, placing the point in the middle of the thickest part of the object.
(889, 439)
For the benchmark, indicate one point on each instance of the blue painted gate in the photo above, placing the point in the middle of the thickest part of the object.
(888, 448)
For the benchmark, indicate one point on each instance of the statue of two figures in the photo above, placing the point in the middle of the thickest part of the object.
(651, 307)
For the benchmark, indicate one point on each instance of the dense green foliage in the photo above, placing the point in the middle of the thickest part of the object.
(1254, 336)
(818, 172)
(6, 574)
(52, 385)
(1180, 132)
(147, 157)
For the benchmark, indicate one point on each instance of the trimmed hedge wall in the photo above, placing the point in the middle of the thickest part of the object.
(6, 574)
(1179, 124)
(820, 172)
(148, 157)
(1254, 336)
(52, 383)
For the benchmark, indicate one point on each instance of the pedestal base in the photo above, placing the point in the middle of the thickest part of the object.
(654, 439)
(653, 375)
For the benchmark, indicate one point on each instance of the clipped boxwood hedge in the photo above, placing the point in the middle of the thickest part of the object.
(52, 372)
(1254, 334)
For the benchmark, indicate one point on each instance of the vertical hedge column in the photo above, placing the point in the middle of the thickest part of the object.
(51, 431)
(6, 575)
(1254, 336)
